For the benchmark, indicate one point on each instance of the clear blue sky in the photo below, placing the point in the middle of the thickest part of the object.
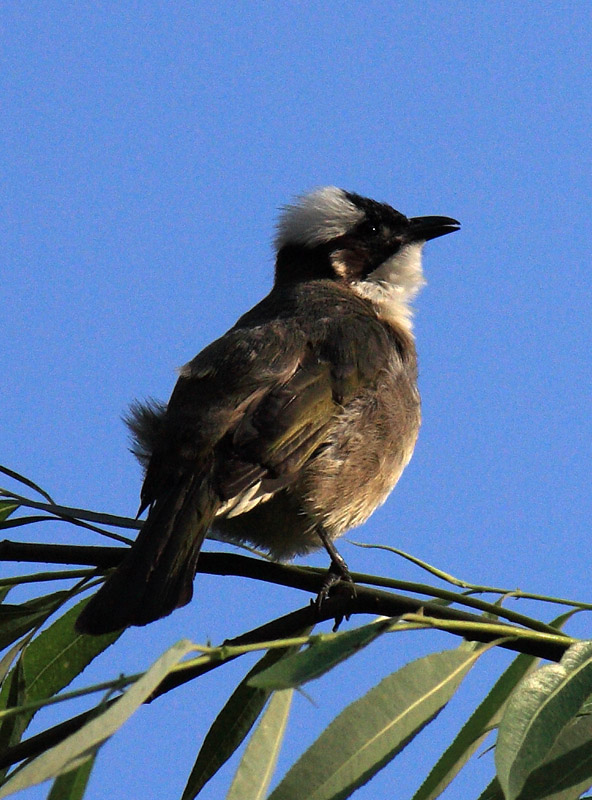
(144, 151)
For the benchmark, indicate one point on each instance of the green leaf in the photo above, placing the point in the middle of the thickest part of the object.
(76, 749)
(542, 706)
(474, 731)
(19, 522)
(21, 478)
(8, 658)
(7, 507)
(16, 620)
(10, 731)
(13, 689)
(373, 729)
(255, 770)
(53, 660)
(567, 772)
(479, 724)
(322, 654)
(72, 785)
(232, 724)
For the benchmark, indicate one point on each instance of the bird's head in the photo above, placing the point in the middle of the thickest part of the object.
(367, 245)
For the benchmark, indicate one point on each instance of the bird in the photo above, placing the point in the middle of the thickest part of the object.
(296, 424)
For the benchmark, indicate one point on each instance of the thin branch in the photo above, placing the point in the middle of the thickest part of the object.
(26, 481)
(75, 516)
(103, 557)
(473, 588)
(303, 578)
(68, 512)
(42, 577)
(365, 601)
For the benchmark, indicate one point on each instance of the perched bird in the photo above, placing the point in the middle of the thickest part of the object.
(298, 422)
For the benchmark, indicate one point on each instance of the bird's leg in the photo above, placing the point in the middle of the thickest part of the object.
(338, 569)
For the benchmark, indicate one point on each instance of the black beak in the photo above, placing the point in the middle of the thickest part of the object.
(423, 228)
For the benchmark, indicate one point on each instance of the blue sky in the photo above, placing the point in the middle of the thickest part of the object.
(144, 151)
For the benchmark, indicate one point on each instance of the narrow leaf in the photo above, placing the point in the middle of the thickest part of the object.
(258, 762)
(42, 603)
(8, 658)
(474, 731)
(19, 522)
(322, 654)
(13, 629)
(232, 724)
(6, 508)
(21, 479)
(567, 772)
(373, 729)
(542, 706)
(72, 785)
(479, 725)
(78, 748)
(13, 689)
(16, 620)
(54, 659)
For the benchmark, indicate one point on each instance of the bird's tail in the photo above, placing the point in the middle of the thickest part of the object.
(157, 574)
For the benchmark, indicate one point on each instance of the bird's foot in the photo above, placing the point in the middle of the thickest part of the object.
(338, 573)
(337, 579)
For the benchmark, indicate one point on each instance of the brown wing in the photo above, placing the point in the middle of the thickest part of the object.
(259, 403)
(277, 433)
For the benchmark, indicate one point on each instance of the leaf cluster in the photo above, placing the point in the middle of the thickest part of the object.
(541, 713)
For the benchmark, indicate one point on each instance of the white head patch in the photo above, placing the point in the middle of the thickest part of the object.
(317, 217)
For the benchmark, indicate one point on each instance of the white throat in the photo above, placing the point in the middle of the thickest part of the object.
(393, 285)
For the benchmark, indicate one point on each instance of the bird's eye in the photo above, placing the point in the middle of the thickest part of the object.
(369, 229)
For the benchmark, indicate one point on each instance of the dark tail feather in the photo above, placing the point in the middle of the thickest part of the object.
(157, 574)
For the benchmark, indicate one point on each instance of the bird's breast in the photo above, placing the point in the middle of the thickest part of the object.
(365, 453)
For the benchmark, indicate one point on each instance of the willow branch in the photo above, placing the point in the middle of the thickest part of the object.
(365, 600)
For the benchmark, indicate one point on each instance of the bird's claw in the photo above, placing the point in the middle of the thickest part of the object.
(338, 573)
